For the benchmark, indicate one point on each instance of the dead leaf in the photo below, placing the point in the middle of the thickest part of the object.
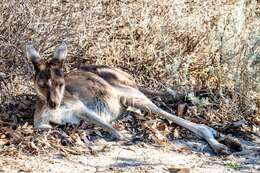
(176, 133)
(4, 142)
(184, 149)
(181, 109)
(179, 170)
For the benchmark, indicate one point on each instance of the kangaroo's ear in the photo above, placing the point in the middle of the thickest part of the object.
(60, 55)
(34, 56)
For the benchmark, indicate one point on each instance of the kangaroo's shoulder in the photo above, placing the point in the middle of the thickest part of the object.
(87, 85)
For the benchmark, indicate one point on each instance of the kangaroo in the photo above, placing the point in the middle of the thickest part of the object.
(95, 93)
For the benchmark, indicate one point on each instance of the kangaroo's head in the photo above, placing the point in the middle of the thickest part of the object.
(49, 75)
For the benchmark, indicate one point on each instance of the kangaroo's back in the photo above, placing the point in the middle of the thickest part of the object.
(113, 76)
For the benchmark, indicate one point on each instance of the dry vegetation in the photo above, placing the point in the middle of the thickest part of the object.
(209, 50)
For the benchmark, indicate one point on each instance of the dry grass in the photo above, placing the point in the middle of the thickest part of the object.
(202, 47)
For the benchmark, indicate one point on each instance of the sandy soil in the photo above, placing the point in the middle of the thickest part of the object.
(138, 158)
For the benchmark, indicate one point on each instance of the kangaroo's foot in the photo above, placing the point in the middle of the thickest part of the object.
(220, 143)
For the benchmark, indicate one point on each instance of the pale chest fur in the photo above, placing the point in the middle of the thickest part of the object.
(64, 114)
(73, 111)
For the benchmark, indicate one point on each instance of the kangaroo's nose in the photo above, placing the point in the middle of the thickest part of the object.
(53, 105)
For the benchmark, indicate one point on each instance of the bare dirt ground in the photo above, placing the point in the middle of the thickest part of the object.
(115, 157)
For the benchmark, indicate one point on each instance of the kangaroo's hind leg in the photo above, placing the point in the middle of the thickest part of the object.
(135, 98)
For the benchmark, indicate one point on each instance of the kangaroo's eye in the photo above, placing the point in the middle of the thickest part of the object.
(61, 85)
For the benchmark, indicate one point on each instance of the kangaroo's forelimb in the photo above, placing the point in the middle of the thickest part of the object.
(91, 116)
(83, 112)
